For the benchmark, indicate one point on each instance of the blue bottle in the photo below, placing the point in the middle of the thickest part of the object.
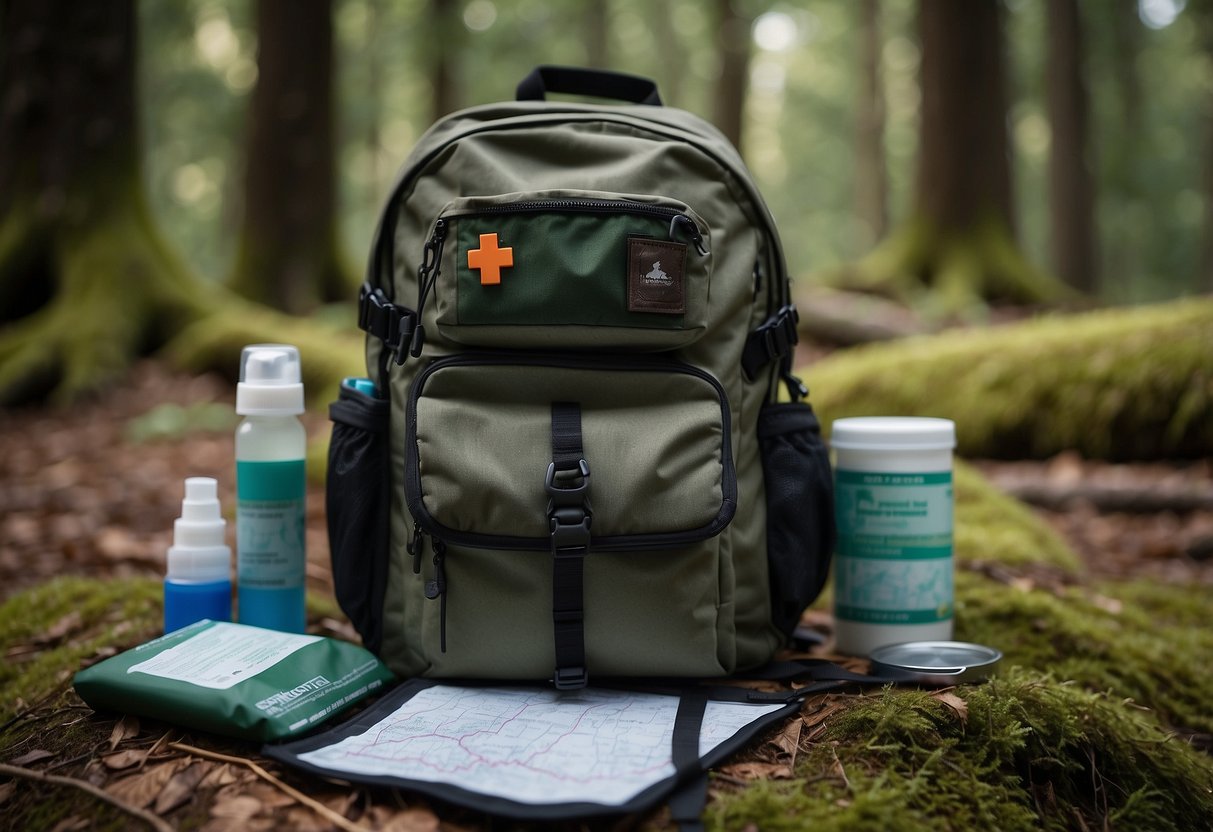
(198, 582)
(271, 489)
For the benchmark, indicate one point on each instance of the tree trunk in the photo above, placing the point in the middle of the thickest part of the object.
(964, 171)
(596, 25)
(733, 46)
(959, 240)
(673, 57)
(288, 256)
(446, 28)
(1202, 12)
(1071, 194)
(871, 183)
(86, 281)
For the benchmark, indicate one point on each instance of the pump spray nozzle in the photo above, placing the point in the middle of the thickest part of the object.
(198, 580)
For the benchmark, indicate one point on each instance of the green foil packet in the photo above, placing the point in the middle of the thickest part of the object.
(235, 680)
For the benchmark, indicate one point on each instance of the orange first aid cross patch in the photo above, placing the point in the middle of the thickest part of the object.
(490, 259)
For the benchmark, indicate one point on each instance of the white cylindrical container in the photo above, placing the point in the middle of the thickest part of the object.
(271, 444)
(893, 570)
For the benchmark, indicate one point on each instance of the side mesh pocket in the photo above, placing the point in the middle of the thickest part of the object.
(800, 508)
(356, 502)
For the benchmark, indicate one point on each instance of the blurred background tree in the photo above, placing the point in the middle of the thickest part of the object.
(829, 102)
(86, 281)
(397, 64)
(289, 253)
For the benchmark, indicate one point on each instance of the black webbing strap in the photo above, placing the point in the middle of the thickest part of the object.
(819, 670)
(688, 800)
(568, 484)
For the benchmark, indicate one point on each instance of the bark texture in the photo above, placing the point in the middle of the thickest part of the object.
(957, 252)
(288, 256)
(733, 47)
(1071, 190)
(86, 282)
(871, 181)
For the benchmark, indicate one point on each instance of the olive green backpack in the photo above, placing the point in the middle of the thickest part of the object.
(569, 459)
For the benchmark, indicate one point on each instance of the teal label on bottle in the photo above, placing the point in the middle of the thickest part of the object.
(270, 523)
(894, 562)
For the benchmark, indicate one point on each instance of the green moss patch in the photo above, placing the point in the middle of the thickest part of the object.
(1100, 639)
(1115, 384)
(991, 527)
(48, 632)
(1025, 751)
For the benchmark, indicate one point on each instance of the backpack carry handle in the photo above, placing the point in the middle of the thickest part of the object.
(597, 83)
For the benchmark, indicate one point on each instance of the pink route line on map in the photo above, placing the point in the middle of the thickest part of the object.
(481, 759)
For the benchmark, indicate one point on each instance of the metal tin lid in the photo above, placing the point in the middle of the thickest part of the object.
(936, 662)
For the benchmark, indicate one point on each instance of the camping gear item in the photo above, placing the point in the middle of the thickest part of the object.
(198, 578)
(936, 662)
(235, 680)
(271, 487)
(575, 461)
(464, 743)
(893, 489)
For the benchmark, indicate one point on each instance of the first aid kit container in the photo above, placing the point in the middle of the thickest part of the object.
(893, 571)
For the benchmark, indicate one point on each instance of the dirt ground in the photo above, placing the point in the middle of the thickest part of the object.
(93, 489)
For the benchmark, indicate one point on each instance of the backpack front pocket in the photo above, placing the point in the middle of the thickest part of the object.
(570, 269)
(656, 439)
(521, 466)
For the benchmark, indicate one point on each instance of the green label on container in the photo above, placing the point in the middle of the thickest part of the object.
(894, 561)
(270, 523)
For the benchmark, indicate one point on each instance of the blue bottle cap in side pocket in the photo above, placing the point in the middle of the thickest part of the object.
(363, 385)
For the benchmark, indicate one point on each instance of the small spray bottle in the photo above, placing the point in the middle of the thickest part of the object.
(271, 487)
(198, 583)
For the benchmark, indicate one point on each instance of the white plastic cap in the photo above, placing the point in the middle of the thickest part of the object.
(198, 552)
(893, 433)
(271, 383)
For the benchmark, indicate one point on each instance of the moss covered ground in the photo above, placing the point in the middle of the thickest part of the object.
(1115, 384)
(1096, 722)
(1100, 719)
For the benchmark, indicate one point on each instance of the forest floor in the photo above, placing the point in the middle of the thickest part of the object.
(93, 490)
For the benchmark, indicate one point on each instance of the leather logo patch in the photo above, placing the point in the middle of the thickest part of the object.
(656, 269)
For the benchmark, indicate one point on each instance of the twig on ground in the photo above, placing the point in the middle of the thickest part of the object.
(151, 820)
(316, 806)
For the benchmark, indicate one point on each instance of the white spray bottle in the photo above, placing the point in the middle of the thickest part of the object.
(271, 445)
(198, 583)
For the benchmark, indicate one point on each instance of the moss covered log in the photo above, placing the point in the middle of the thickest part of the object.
(1117, 384)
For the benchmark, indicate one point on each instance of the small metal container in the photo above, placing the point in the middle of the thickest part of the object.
(935, 662)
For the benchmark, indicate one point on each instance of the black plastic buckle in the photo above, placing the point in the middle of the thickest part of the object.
(567, 495)
(394, 325)
(781, 332)
(401, 328)
(570, 527)
(775, 338)
(570, 678)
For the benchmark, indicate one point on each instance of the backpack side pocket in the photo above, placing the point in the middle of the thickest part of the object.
(800, 508)
(356, 502)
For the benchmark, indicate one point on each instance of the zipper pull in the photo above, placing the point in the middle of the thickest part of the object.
(427, 276)
(437, 589)
(415, 547)
(692, 232)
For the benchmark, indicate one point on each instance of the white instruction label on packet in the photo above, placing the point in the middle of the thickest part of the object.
(223, 655)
